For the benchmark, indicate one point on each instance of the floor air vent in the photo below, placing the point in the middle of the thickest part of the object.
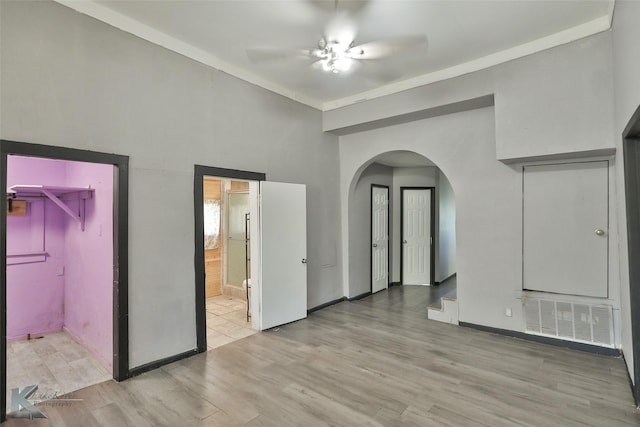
(570, 321)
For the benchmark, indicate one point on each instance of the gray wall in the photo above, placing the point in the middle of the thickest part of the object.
(360, 234)
(446, 228)
(556, 102)
(69, 80)
(626, 42)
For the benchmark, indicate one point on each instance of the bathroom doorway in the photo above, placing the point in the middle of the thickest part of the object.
(275, 254)
(222, 318)
(226, 212)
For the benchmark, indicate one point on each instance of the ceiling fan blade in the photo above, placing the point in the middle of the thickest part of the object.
(272, 54)
(385, 48)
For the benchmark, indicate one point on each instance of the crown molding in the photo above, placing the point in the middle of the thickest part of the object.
(143, 31)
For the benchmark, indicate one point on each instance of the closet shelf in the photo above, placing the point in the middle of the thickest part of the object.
(58, 195)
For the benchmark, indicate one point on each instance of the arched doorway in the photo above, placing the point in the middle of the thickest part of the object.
(398, 177)
(488, 196)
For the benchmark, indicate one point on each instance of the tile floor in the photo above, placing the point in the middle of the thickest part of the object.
(55, 363)
(226, 321)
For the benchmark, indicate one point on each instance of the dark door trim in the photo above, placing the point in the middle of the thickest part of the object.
(120, 248)
(432, 261)
(371, 234)
(198, 201)
(631, 154)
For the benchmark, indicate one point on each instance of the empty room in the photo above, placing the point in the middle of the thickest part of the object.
(320, 212)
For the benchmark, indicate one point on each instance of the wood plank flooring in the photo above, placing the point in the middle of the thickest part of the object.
(366, 363)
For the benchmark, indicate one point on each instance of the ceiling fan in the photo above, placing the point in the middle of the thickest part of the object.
(337, 56)
(336, 50)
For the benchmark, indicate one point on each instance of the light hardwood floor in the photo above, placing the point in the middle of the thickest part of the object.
(366, 363)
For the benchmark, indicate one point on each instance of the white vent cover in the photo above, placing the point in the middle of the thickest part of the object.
(592, 324)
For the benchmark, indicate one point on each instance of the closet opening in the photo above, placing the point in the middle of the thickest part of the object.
(64, 273)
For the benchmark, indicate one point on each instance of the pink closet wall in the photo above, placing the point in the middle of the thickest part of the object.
(88, 296)
(40, 301)
(35, 293)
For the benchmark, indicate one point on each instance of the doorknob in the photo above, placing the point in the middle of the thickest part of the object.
(304, 260)
(375, 245)
(404, 241)
(599, 232)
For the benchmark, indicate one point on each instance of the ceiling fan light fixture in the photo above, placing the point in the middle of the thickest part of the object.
(335, 56)
(342, 63)
(336, 66)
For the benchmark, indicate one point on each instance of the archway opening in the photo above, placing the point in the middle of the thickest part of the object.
(407, 196)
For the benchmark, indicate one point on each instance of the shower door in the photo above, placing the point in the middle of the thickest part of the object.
(237, 208)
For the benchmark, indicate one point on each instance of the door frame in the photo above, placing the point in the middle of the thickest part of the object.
(198, 201)
(371, 235)
(631, 156)
(121, 369)
(432, 261)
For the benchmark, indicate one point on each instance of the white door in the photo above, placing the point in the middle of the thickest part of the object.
(379, 238)
(565, 228)
(283, 239)
(416, 236)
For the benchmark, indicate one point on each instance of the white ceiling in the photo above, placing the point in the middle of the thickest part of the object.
(463, 35)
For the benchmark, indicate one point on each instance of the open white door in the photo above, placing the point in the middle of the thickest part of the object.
(283, 237)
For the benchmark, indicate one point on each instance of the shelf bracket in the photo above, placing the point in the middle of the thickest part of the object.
(62, 205)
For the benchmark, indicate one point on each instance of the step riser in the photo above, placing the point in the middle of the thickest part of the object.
(448, 313)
